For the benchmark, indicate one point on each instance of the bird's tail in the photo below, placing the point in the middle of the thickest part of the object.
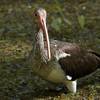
(97, 55)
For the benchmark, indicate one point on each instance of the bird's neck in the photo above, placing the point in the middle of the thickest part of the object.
(40, 49)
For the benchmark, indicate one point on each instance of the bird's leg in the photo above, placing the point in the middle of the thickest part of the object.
(71, 85)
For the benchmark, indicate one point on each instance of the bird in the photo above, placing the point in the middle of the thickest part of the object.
(58, 61)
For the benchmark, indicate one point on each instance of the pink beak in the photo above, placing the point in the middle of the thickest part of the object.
(44, 28)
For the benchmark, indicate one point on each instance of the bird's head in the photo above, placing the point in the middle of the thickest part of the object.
(41, 15)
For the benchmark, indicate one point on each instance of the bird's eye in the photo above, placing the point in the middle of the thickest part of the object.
(35, 14)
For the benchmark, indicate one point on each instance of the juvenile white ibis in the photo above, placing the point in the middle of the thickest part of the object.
(60, 62)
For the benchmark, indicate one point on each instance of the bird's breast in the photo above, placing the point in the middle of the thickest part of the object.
(52, 72)
(56, 75)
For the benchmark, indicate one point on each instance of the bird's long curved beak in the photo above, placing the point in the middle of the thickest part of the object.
(44, 28)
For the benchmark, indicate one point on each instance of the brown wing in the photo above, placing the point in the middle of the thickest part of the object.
(80, 63)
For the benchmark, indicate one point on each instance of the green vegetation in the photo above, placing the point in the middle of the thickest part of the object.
(68, 20)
